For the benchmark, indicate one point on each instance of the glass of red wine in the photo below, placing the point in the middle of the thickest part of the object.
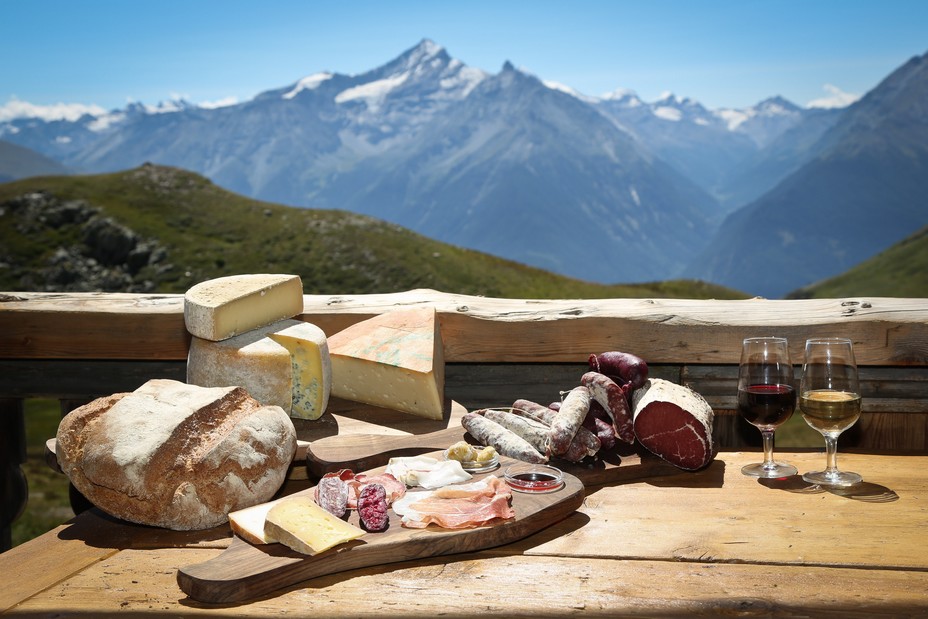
(766, 397)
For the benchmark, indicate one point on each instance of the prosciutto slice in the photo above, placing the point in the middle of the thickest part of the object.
(457, 507)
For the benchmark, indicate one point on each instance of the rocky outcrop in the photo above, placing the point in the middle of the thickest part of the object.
(94, 252)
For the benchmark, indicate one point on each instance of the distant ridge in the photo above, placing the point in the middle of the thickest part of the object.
(865, 189)
(157, 228)
(20, 162)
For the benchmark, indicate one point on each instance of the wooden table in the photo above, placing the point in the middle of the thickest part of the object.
(687, 544)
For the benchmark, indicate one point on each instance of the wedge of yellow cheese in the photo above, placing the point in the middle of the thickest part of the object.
(299, 523)
(285, 364)
(248, 523)
(221, 308)
(394, 360)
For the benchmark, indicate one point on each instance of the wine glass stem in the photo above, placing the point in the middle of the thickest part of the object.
(768, 448)
(831, 455)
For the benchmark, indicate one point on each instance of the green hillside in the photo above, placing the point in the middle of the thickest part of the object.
(900, 271)
(159, 229)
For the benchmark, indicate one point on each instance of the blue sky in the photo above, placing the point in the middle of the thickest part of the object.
(723, 54)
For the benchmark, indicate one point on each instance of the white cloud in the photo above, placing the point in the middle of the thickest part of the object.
(836, 98)
(14, 108)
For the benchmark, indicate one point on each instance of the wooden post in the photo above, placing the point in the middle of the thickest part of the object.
(13, 488)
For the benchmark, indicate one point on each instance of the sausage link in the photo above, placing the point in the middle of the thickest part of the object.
(584, 443)
(568, 420)
(331, 494)
(506, 442)
(599, 422)
(629, 368)
(372, 508)
(535, 432)
(612, 398)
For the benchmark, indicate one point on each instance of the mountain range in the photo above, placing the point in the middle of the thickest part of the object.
(606, 189)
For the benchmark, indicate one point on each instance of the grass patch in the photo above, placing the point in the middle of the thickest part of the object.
(48, 504)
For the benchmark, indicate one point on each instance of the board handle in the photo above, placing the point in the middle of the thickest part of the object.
(361, 452)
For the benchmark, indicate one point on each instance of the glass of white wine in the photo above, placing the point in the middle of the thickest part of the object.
(829, 397)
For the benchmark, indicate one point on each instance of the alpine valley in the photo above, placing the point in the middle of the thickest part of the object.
(605, 189)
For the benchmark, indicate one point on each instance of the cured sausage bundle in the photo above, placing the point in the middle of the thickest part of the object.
(615, 400)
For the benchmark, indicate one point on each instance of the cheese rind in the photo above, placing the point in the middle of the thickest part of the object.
(285, 364)
(220, 308)
(248, 523)
(394, 360)
(300, 524)
(311, 375)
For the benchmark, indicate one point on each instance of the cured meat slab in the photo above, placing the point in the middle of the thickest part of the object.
(244, 571)
(365, 451)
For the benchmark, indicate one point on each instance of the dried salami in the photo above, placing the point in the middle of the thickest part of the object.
(599, 422)
(612, 398)
(584, 443)
(622, 367)
(535, 432)
(331, 494)
(568, 420)
(372, 508)
(506, 442)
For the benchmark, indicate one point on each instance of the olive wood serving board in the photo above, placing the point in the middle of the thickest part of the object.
(360, 452)
(245, 571)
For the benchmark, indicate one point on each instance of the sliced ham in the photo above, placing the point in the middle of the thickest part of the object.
(457, 507)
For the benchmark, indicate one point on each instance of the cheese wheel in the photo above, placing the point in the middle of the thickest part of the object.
(285, 364)
(394, 360)
(221, 308)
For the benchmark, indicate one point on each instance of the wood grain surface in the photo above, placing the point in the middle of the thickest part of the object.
(684, 545)
(245, 571)
(886, 331)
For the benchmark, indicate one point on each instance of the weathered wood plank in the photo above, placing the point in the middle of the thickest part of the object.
(886, 331)
(787, 522)
(136, 583)
(732, 544)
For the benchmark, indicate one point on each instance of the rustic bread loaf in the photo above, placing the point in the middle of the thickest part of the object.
(175, 455)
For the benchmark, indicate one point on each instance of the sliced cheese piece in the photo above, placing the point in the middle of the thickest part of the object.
(286, 364)
(220, 308)
(248, 523)
(394, 360)
(299, 523)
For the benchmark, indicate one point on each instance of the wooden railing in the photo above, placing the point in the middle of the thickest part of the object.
(75, 347)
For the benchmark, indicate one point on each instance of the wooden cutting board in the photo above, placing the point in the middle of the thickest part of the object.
(360, 452)
(244, 571)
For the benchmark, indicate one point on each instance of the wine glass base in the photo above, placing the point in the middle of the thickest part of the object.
(775, 471)
(837, 478)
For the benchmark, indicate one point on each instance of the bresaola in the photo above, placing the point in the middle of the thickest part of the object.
(674, 422)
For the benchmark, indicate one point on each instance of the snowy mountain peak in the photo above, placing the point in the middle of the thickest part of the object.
(310, 82)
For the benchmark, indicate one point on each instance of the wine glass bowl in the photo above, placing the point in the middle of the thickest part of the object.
(766, 397)
(830, 401)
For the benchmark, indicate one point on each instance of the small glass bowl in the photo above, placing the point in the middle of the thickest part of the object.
(474, 466)
(534, 478)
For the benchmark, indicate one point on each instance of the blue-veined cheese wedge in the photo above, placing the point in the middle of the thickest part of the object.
(285, 364)
(394, 360)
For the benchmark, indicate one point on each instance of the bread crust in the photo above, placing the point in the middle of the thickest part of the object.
(175, 455)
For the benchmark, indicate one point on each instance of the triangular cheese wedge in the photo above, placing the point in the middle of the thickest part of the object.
(394, 360)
